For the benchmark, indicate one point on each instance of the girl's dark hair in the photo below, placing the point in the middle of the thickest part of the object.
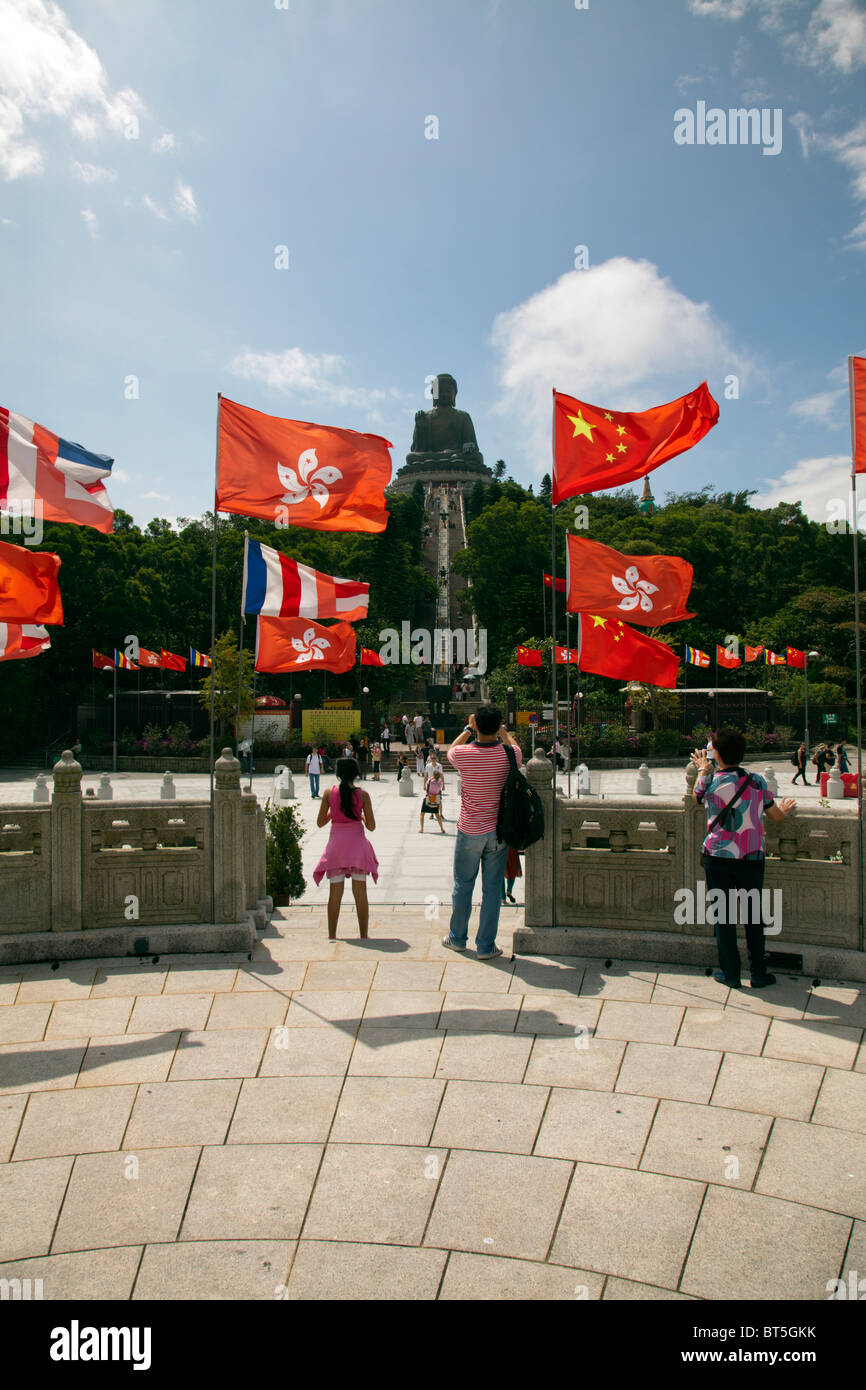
(347, 771)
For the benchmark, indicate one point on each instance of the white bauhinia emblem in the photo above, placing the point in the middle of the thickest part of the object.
(311, 480)
(636, 590)
(310, 647)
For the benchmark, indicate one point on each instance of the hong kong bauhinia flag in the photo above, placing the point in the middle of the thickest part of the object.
(29, 591)
(299, 474)
(646, 589)
(21, 640)
(594, 448)
(295, 644)
(44, 475)
(278, 587)
(608, 647)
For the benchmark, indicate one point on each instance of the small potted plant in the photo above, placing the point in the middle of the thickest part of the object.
(283, 872)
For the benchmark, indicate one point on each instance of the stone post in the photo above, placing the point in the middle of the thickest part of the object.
(643, 786)
(66, 845)
(539, 857)
(167, 791)
(264, 897)
(105, 791)
(40, 791)
(694, 820)
(835, 785)
(229, 896)
(249, 828)
(405, 786)
(770, 779)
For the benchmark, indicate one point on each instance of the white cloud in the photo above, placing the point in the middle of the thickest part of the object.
(154, 208)
(93, 173)
(184, 202)
(618, 335)
(823, 409)
(156, 496)
(91, 221)
(849, 150)
(47, 69)
(310, 375)
(163, 143)
(720, 9)
(814, 483)
(835, 36)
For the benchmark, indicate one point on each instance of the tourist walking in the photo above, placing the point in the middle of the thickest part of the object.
(842, 755)
(386, 738)
(408, 731)
(733, 851)
(377, 760)
(800, 759)
(348, 853)
(479, 756)
(363, 758)
(314, 769)
(819, 758)
(512, 871)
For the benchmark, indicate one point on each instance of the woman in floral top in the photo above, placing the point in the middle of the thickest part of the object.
(733, 849)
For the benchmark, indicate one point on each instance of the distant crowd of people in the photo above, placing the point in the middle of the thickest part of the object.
(823, 759)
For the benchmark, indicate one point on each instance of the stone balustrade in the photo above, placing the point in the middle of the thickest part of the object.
(90, 877)
(622, 866)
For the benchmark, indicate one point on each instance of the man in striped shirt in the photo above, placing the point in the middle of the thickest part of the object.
(480, 758)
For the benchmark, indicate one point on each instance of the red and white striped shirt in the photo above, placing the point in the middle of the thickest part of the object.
(483, 769)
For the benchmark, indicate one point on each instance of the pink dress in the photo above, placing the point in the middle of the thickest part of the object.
(348, 850)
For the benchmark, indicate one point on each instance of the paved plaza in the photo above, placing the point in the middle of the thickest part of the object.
(391, 1120)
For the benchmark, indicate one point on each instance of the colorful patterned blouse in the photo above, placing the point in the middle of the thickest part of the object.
(741, 834)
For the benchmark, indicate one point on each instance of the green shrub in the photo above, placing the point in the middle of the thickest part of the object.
(283, 873)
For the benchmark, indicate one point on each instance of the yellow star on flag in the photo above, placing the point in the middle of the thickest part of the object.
(620, 429)
(599, 622)
(581, 426)
(607, 415)
(608, 458)
(621, 448)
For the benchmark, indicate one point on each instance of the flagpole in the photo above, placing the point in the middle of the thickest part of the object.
(212, 666)
(856, 536)
(568, 697)
(241, 648)
(553, 830)
(252, 731)
(543, 606)
(114, 742)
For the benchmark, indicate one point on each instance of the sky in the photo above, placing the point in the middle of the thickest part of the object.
(312, 206)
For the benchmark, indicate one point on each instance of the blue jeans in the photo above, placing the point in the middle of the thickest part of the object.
(472, 852)
(314, 783)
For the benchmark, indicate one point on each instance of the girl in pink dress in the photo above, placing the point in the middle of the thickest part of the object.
(348, 853)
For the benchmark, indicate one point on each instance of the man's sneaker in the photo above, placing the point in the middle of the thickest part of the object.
(723, 980)
(488, 955)
(452, 945)
(762, 981)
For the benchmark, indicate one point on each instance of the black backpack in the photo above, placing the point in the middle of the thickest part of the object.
(521, 814)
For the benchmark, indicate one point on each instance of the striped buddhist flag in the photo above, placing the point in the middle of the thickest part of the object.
(199, 659)
(123, 663)
(694, 657)
(277, 587)
(774, 658)
(21, 640)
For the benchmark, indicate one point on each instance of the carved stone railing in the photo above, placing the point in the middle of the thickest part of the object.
(83, 877)
(622, 866)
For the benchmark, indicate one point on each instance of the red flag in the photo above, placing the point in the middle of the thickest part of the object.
(724, 658)
(146, 658)
(44, 475)
(29, 592)
(796, 658)
(296, 644)
(171, 662)
(754, 653)
(646, 589)
(300, 474)
(857, 388)
(566, 656)
(102, 663)
(528, 656)
(609, 648)
(18, 640)
(370, 658)
(560, 583)
(595, 448)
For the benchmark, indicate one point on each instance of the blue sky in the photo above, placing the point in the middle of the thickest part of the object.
(154, 156)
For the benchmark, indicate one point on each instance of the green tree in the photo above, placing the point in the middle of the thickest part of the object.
(224, 678)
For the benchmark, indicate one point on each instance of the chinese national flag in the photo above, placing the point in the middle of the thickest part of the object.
(857, 387)
(754, 653)
(306, 475)
(567, 656)
(647, 589)
(796, 658)
(370, 658)
(609, 648)
(560, 583)
(724, 658)
(595, 448)
(296, 644)
(146, 658)
(102, 663)
(528, 656)
(29, 592)
(172, 662)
